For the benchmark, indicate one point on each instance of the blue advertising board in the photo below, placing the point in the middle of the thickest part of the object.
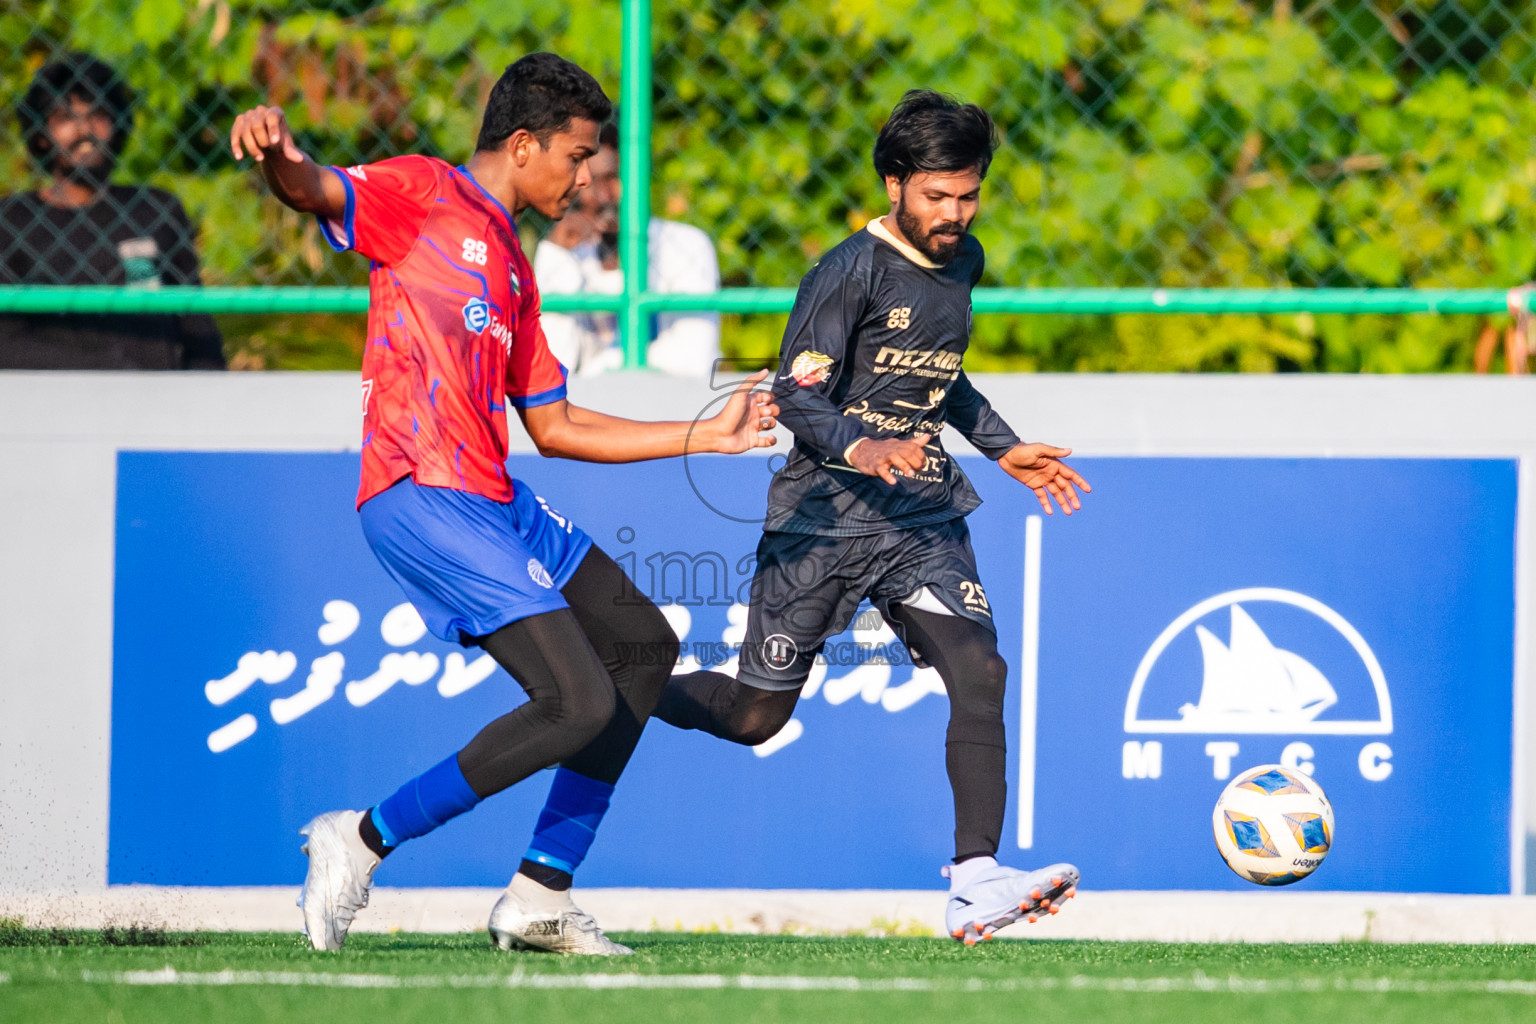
(1353, 618)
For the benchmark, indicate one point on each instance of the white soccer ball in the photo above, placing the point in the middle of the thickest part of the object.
(1273, 825)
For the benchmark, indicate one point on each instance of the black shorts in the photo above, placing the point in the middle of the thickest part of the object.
(808, 587)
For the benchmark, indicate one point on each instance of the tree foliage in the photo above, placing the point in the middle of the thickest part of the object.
(1180, 143)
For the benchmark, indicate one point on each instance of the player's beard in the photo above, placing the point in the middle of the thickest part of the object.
(940, 244)
(92, 173)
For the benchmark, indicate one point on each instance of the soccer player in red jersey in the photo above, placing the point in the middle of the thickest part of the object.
(453, 339)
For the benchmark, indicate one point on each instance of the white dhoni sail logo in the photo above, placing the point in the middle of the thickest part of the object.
(1254, 677)
(1252, 686)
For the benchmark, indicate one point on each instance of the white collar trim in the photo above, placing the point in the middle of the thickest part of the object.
(877, 228)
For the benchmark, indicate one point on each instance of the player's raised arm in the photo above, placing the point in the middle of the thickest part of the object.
(560, 429)
(297, 181)
(1036, 466)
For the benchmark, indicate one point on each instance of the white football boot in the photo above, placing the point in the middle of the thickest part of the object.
(340, 874)
(529, 916)
(999, 896)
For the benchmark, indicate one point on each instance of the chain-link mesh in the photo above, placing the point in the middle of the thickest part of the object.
(359, 80)
(1217, 144)
(1182, 144)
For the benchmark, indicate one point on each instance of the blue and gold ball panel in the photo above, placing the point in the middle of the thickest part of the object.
(1249, 835)
(1272, 783)
(1311, 832)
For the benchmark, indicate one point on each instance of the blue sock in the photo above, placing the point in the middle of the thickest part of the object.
(427, 801)
(568, 823)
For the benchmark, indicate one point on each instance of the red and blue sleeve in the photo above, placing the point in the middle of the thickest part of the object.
(387, 204)
(534, 376)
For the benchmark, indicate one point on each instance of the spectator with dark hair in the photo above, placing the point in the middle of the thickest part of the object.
(79, 229)
(581, 254)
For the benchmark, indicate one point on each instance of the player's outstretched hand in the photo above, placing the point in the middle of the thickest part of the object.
(263, 130)
(1039, 467)
(890, 459)
(748, 419)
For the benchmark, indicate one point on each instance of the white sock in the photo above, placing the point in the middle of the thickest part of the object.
(538, 897)
(962, 874)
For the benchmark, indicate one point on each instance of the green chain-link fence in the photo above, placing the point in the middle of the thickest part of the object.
(1224, 145)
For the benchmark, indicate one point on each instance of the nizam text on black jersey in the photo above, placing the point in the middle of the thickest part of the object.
(874, 349)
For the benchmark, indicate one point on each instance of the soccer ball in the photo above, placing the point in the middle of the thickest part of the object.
(1273, 825)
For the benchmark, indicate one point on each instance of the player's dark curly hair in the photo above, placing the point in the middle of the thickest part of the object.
(935, 134)
(75, 75)
(540, 94)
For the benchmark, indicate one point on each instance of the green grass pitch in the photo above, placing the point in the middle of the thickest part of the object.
(120, 977)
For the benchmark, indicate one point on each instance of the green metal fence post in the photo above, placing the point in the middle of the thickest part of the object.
(635, 173)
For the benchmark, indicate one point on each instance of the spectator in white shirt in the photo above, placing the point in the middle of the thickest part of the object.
(581, 255)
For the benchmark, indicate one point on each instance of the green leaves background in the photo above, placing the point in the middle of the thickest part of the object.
(1178, 143)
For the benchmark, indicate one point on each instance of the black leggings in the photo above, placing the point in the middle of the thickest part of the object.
(592, 673)
(976, 745)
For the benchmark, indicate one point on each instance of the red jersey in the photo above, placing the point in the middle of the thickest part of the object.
(453, 326)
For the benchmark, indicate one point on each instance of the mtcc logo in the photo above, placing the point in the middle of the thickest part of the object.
(1247, 684)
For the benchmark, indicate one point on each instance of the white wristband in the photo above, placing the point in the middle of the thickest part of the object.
(848, 452)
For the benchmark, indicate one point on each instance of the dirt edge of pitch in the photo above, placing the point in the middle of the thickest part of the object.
(1258, 916)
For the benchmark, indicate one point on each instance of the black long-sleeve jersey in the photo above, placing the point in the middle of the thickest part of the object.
(873, 349)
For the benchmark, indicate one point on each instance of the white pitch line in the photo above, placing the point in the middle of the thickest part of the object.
(1198, 982)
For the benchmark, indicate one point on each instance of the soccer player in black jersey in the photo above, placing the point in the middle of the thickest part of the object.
(869, 505)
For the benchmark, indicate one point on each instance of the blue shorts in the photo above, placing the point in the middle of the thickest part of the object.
(471, 565)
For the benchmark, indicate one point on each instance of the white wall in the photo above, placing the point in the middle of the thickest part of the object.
(59, 434)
